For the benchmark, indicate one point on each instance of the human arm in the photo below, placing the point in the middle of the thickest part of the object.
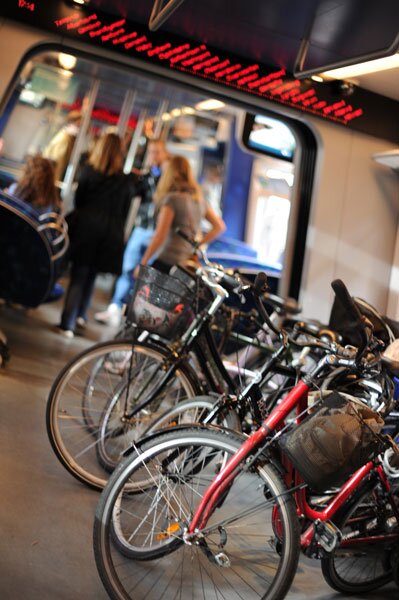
(218, 226)
(164, 224)
(139, 181)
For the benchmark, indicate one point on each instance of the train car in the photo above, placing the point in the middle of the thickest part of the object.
(288, 113)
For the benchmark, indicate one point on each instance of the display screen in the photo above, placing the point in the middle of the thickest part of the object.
(271, 137)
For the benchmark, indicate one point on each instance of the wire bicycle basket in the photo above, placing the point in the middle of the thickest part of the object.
(161, 303)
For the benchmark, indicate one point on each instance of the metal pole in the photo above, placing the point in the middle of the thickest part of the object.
(126, 111)
(163, 107)
(79, 145)
(128, 166)
(160, 12)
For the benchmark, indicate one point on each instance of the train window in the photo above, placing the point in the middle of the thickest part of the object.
(270, 209)
(45, 101)
(54, 86)
(273, 144)
(251, 187)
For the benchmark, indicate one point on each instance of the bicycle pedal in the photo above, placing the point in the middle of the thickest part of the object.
(327, 535)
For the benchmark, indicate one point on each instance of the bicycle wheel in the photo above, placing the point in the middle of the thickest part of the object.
(115, 433)
(362, 562)
(249, 548)
(128, 373)
(194, 411)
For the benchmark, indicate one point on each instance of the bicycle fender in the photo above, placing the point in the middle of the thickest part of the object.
(200, 426)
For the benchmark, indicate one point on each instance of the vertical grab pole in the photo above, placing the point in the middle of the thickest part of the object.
(128, 166)
(79, 145)
(163, 107)
(126, 111)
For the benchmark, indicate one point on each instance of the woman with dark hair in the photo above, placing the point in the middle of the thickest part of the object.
(179, 205)
(37, 185)
(96, 227)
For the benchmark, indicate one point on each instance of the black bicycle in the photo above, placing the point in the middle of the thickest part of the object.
(107, 397)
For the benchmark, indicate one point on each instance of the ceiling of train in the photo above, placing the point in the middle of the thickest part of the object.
(270, 31)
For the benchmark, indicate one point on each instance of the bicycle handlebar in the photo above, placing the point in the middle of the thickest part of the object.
(259, 288)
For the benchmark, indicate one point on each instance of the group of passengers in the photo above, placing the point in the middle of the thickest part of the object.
(171, 198)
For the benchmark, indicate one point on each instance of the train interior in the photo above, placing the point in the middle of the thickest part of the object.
(305, 199)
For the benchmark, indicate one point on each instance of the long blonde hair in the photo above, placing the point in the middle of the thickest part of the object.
(107, 156)
(177, 176)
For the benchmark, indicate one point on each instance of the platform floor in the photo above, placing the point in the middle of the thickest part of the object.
(46, 516)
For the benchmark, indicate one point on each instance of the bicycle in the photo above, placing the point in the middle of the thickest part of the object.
(167, 527)
(106, 396)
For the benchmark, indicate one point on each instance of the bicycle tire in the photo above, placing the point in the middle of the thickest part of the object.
(367, 567)
(192, 411)
(71, 434)
(162, 570)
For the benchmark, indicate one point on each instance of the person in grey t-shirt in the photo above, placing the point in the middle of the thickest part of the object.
(179, 205)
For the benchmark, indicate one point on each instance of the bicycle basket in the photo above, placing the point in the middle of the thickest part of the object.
(333, 442)
(203, 295)
(160, 303)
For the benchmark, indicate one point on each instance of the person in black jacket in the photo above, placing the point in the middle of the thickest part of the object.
(142, 233)
(96, 227)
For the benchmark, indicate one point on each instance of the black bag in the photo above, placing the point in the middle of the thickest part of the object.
(334, 441)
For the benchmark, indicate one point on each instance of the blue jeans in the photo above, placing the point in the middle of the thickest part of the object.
(78, 296)
(135, 248)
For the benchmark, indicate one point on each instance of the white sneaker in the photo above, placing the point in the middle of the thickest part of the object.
(111, 316)
(68, 333)
(81, 323)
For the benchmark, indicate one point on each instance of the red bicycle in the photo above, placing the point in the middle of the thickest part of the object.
(200, 512)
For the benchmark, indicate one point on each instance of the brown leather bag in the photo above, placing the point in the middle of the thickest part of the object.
(334, 441)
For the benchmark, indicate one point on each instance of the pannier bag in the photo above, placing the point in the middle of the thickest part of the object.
(161, 303)
(334, 441)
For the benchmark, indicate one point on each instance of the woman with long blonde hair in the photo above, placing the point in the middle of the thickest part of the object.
(96, 227)
(180, 205)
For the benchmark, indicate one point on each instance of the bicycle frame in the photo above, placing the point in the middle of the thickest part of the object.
(296, 398)
(208, 358)
(199, 339)
(212, 367)
(206, 353)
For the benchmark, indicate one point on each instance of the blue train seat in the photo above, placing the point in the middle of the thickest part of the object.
(234, 254)
(32, 247)
(5, 180)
